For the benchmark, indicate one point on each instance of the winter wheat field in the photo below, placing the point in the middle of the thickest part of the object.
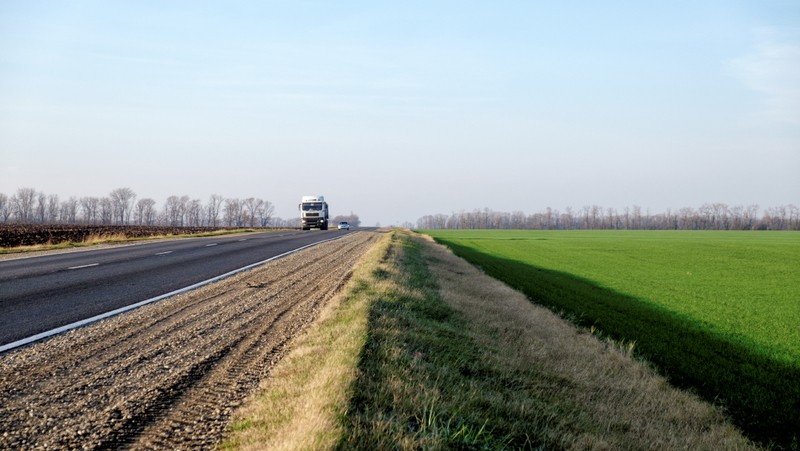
(717, 312)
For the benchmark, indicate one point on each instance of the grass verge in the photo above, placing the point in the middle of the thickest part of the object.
(442, 357)
(301, 404)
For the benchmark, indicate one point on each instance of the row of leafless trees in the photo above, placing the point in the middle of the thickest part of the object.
(120, 207)
(717, 216)
(351, 219)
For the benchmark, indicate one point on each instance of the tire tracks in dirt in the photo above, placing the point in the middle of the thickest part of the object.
(169, 374)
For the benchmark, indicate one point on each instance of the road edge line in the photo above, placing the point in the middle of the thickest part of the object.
(66, 328)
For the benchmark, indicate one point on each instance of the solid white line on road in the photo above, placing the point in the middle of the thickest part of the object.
(94, 319)
(164, 253)
(212, 244)
(83, 266)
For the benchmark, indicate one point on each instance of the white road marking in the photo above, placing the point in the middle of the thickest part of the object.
(212, 244)
(164, 253)
(245, 239)
(93, 319)
(83, 266)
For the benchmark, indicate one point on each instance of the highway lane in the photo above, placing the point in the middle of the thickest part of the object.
(41, 293)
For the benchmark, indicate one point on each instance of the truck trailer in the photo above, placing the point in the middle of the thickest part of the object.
(313, 213)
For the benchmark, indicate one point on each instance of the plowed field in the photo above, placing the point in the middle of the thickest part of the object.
(13, 235)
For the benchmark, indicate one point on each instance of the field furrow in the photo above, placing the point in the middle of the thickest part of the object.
(168, 374)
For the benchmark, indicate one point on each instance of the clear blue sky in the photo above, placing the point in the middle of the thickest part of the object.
(395, 110)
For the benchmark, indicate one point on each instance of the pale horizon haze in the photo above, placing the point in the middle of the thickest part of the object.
(396, 110)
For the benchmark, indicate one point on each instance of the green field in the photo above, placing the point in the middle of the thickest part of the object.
(715, 311)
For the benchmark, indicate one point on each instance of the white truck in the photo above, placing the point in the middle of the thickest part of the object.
(313, 213)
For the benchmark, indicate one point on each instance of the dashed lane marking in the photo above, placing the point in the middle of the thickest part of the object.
(84, 266)
(77, 324)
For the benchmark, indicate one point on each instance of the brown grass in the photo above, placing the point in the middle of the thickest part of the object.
(300, 405)
(629, 405)
(425, 351)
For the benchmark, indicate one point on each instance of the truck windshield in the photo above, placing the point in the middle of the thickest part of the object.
(312, 206)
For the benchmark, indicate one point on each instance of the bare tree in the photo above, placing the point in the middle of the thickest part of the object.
(568, 219)
(106, 211)
(41, 208)
(184, 210)
(251, 206)
(68, 211)
(636, 221)
(28, 205)
(90, 206)
(265, 213)
(5, 208)
(517, 220)
(721, 219)
(122, 204)
(794, 217)
(53, 208)
(232, 212)
(736, 217)
(194, 213)
(612, 221)
(777, 218)
(144, 212)
(22, 204)
(351, 219)
(213, 209)
(173, 211)
(684, 218)
(711, 216)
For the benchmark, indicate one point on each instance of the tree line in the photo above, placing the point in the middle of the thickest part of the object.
(351, 219)
(121, 207)
(715, 216)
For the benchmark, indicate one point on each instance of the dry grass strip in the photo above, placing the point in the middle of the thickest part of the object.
(630, 406)
(299, 406)
(617, 401)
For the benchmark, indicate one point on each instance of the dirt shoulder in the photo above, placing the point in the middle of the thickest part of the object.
(168, 375)
(425, 351)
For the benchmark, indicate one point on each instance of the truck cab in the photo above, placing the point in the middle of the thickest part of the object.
(313, 213)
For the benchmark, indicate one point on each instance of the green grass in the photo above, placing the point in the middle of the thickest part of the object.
(422, 383)
(716, 311)
(422, 351)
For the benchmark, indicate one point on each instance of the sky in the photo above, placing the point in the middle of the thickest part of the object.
(396, 110)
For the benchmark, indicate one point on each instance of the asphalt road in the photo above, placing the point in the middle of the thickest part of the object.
(41, 293)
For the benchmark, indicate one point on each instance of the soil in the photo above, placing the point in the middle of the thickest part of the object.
(169, 374)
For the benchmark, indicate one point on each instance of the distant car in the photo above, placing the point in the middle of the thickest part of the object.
(344, 225)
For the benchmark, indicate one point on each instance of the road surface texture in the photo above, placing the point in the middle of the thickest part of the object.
(167, 375)
(49, 291)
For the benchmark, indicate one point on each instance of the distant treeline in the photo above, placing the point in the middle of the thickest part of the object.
(121, 207)
(717, 216)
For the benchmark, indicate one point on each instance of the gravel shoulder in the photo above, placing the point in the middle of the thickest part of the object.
(168, 375)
